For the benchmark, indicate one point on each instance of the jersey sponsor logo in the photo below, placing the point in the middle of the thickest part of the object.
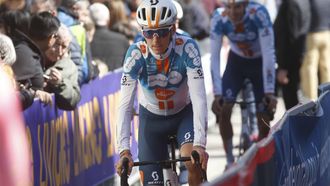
(174, 77)
(155, 178)
(178, 41)
(158, 79)
(131, 61)
(193, 53)
(154, 175)
(124, 80)
(163, 94)
(187, 136)
(200, 74)
(197, 61)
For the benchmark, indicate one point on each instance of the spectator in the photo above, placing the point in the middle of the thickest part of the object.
(317, 57)
(38, 6)
(103, 38)
(8, 57)
(119, 20)
(12, 5)
(290, 46)
(28, 68)
(62, 72)
(80, 45)
(195, 19)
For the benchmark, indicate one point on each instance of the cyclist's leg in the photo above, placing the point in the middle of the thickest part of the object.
(153, 135)
(232, 82)
(185, 137)
(256, 77)
(226, 131)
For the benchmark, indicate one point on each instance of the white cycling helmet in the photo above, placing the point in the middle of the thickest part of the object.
(156, 13)
(178, 9)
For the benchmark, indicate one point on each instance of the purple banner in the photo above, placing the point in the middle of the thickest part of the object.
(77, 147)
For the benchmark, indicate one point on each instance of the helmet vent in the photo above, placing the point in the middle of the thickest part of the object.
(163, 13)
(144, 17)
(169, 13)
(139, 14)
(153, 13)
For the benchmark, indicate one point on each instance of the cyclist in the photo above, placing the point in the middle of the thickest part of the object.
(172, 97)
(249, 30)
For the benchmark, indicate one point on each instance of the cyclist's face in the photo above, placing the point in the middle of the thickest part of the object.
(158, 39)
(235, 11)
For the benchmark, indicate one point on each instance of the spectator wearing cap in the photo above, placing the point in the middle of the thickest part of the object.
(62, 73)
(107, 45)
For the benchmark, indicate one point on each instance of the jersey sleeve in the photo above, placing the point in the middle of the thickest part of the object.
(131, 70)
(216, 35)
(266, 37)
(197, 92)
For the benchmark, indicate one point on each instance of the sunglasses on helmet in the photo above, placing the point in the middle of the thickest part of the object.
(162, 32)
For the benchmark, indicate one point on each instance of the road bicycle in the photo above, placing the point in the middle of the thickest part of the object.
(249, 122)
(169, 168)
(249, 129)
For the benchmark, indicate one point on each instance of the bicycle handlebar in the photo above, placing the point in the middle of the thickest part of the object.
(162, 162)
(194, 154)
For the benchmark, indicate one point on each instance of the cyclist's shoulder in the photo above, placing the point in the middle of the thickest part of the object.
(219, 13)
(258, 14)
(137, 48)
(182, 41)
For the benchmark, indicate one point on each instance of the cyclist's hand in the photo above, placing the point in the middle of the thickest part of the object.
(216, 105)
(282, 76)
(203, 156)
(119, 166)
(271, 102)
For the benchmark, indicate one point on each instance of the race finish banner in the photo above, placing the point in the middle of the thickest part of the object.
(77, 147)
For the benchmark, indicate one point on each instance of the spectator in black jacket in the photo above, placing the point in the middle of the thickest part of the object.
(290, 28)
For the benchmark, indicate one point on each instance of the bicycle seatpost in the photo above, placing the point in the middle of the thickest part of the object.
(195, 155)
(124, 173)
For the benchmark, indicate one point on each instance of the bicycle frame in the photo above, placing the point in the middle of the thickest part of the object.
(249, 117)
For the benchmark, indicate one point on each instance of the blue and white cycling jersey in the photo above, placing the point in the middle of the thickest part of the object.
(167, 83)
(250, 39)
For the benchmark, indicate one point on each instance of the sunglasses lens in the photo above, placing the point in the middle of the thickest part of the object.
(149, 34)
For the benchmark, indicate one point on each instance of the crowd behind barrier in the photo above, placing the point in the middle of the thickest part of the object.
(295, 153)
(77, 147)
